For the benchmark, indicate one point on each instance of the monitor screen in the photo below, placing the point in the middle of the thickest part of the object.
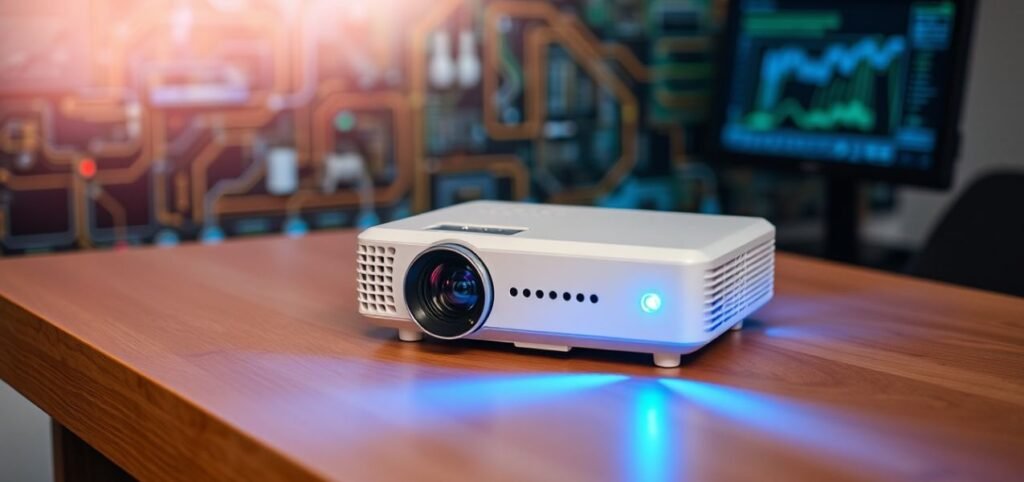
(869, 85)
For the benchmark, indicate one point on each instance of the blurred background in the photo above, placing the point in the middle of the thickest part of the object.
(126, 123)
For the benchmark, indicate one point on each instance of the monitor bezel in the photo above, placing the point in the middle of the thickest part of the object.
(948, 141)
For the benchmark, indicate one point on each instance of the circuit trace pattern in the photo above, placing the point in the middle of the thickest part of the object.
(126, 122)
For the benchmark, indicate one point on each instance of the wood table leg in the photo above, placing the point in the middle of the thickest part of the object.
(75, 460)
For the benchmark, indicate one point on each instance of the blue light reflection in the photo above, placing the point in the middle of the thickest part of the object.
(660, 428)
(506, 390)
(424, 400)
(651, 454)
(808, 426)
(376, 396)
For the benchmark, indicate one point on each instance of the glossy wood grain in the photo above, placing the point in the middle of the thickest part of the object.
(248, 360)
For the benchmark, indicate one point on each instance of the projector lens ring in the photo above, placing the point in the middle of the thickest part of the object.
(448, 291)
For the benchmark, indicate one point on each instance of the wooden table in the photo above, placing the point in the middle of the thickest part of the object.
(247, 360)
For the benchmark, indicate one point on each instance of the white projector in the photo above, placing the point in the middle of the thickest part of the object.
(556, 277)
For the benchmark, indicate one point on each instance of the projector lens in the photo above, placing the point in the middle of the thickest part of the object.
(455, 287)
(448, 291)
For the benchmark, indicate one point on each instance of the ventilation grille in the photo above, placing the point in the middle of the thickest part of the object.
(375, 267)
(733, 287)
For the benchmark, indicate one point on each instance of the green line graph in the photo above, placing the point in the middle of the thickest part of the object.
(849, 115)
(847, 104)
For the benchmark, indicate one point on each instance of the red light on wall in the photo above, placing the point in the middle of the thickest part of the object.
(87, 168)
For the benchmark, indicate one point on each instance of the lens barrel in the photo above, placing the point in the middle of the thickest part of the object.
(448, 291)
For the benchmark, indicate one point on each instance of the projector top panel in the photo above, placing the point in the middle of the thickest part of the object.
(577, 224)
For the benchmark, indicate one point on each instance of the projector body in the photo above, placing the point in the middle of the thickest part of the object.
(557, 277)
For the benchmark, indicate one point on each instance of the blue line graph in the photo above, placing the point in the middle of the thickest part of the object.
(778, 64)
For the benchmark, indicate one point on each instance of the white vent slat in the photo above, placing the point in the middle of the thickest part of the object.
(741, 305)
(752, 272)
(754, 286)
(715, 310)
(731, 308)
(754, 281)
(735, 285)
(767, 248)
(375, 266)
(755, 265)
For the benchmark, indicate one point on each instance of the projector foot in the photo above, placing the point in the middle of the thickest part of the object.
(738, 326)
(667, 360)
(410, 335)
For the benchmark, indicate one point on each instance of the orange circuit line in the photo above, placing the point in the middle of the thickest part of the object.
(123, 33)
(417, 84)
(53, 155)
(181, 191)
(537, 41)
(627, 59)
(39, 182)
(65, 156)
(124, 149)
(401, 119)
(323, 144)
(163, 215)
(78, 194)
(116, 211)
(586, 50)
(261, 170)
(294, 204)
(303, 132)
(676, 140)
(202, 162)
(576, 33)
(103, 110)
(692, 101)
(510, 166)
(138, 166)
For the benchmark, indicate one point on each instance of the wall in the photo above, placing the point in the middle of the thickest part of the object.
(24, 439)
(993, 124)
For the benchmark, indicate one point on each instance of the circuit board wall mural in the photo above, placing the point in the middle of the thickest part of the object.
(125, 122)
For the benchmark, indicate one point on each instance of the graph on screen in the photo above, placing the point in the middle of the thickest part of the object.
(841, 86)
(853, 83)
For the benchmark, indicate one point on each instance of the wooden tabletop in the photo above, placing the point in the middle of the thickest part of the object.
(248, 360)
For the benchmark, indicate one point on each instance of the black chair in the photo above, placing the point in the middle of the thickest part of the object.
(980, 241)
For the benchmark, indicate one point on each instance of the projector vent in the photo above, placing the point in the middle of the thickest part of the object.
(375, 267)
(734, 286)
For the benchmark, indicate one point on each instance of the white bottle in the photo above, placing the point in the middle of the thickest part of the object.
(345, 167)
(282, 171)
(441, 70)
(468, 62)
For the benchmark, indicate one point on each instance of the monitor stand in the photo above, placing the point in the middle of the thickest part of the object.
(842, 219)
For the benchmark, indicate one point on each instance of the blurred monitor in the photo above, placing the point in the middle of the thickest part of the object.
(862, 89)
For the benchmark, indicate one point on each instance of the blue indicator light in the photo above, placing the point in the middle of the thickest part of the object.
(650, 303)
